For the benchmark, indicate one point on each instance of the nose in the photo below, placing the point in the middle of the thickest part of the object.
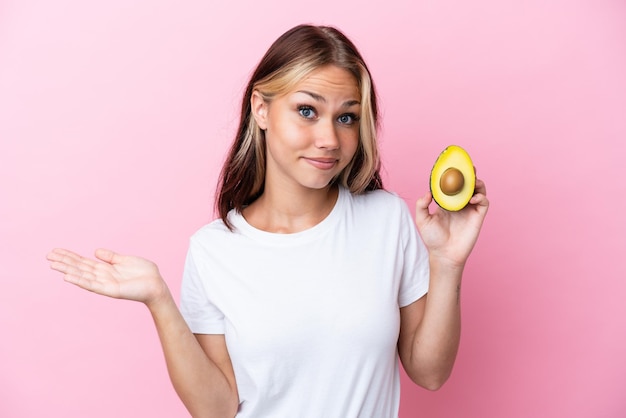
(326, 136)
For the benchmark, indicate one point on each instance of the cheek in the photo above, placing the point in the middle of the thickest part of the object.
(286, 133)
(350, 144)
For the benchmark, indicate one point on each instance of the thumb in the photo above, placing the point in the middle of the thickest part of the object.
(421, 209)
(108, 256)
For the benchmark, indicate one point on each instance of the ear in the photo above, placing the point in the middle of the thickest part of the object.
(259, 109)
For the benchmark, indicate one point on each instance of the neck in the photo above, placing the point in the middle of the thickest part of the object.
(291, 211)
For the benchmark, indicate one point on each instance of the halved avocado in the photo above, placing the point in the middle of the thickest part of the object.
(452, 179)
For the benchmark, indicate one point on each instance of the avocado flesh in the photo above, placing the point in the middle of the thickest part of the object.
(453, 157)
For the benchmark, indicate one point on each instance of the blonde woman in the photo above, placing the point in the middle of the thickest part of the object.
(302, 297)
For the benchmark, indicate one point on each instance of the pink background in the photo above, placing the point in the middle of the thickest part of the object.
(115, 117)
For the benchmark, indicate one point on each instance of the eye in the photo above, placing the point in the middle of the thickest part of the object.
(306, 112)
(348, 119)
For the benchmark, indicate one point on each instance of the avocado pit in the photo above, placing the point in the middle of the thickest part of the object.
(451, 181)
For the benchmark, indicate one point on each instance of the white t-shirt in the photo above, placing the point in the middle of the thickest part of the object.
(311, 319)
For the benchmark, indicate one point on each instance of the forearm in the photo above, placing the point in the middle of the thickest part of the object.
(199, 382)
(436, 340)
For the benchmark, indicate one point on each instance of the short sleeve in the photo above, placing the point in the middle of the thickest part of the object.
(202, 316)
(416, 268)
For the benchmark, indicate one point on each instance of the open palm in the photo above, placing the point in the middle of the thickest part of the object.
(111, 274)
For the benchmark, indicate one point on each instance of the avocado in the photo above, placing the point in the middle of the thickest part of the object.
(452, 179)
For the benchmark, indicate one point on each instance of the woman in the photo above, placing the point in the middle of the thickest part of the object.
(300, 299)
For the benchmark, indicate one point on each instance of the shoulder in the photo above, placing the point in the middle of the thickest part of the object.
(388, 215)
(214, 231)
(216, 226)
(214, 244)
(381, 200)
(380, 207)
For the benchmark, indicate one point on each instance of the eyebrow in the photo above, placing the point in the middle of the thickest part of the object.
(319, 98)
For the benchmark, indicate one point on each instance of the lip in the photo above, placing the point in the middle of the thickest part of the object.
(322, 163)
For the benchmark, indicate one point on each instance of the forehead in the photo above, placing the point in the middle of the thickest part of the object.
(331, 79)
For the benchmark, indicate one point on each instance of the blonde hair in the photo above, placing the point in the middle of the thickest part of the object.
(290, 59)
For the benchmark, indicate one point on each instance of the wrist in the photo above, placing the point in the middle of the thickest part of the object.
(445, 265)
(160, 296)
(445, 277)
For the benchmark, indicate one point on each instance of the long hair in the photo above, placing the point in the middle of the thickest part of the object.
(292, 57)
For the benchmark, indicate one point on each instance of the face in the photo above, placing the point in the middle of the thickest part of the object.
(311, 132)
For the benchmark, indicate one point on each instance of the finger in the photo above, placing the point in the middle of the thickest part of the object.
(479, 201)
(86, 281)
(62, 267)
(72, 273)
(108, 256)
(421, 208)
(59, 253)
(87, 274)
(479, 187)
(70, 258)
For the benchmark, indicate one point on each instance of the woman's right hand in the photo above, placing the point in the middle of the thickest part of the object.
(112, 274)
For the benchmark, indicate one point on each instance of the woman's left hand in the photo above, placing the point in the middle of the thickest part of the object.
(450, 236)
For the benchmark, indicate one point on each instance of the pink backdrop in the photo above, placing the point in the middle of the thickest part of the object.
(115, 116)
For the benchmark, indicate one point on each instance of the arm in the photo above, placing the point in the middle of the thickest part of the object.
(431, 327)
(199, 367)
(430, 331)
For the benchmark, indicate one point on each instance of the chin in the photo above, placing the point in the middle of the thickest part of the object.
(318, 185)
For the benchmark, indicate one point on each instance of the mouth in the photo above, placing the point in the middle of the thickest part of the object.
(322, 163)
